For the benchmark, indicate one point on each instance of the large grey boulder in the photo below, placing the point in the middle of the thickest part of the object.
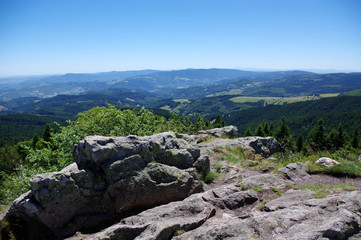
(295, 171)
(265, 146)
(111, 177)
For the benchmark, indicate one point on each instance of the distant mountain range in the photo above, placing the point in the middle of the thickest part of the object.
(157, 82)
(206, 91)
(243, 98)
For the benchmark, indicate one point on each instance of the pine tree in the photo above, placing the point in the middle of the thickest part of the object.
(317, 137)
(283, 131)
(355, 139)
(266, 129)
(271, 129)
(218, 123)
(332, 139)
(259, 131)
(47, 133)
(248, 132)
(299, 143)
(34, 141)
(340, 139)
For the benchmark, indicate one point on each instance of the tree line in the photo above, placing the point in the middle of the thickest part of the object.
(317, 138)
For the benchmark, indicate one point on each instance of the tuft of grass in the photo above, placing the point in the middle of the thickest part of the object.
(209, 177)
(244, 187)
(261, 207)
(258, 189)
(218, 166)
(324, 190)
(278, 191)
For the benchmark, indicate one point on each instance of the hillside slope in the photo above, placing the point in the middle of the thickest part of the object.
(302, 116)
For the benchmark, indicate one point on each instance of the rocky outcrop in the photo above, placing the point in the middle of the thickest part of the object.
(111, 178)
(116, 177)
(165, 221)
(292, 216)
(235, 212)
(264, 146)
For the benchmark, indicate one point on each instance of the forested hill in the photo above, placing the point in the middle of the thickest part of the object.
(68, 106)
(302, 116)
(301, 85)
(20, 127)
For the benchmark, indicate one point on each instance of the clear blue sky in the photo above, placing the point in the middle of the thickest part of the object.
(60, 36)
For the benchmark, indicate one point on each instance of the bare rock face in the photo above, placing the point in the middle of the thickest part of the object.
(228, 131)
(294, 215)
(112, 177)
(265, 146)
(165, 221)
(233, 212)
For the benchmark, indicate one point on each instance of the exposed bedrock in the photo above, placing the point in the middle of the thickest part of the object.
(116, 177)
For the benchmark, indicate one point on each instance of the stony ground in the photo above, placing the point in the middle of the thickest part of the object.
(240, 203)
(231, 173)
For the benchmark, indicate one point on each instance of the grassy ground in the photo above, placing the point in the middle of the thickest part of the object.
(349, 165)
(325, 190)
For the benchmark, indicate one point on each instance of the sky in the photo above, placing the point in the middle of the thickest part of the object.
(77, 36)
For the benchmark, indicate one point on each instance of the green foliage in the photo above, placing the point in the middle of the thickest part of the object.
(248, 132)
(15, 184)
(282, 132)
(20, 127)
(355, 142)
(218, 123)
(244, 187)
(9, 160)
(232, 155)
(259, 132)
(317, 137)
(299, 143)
(218, 166)
(47, 133)
(302, 116)
(346, 168)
